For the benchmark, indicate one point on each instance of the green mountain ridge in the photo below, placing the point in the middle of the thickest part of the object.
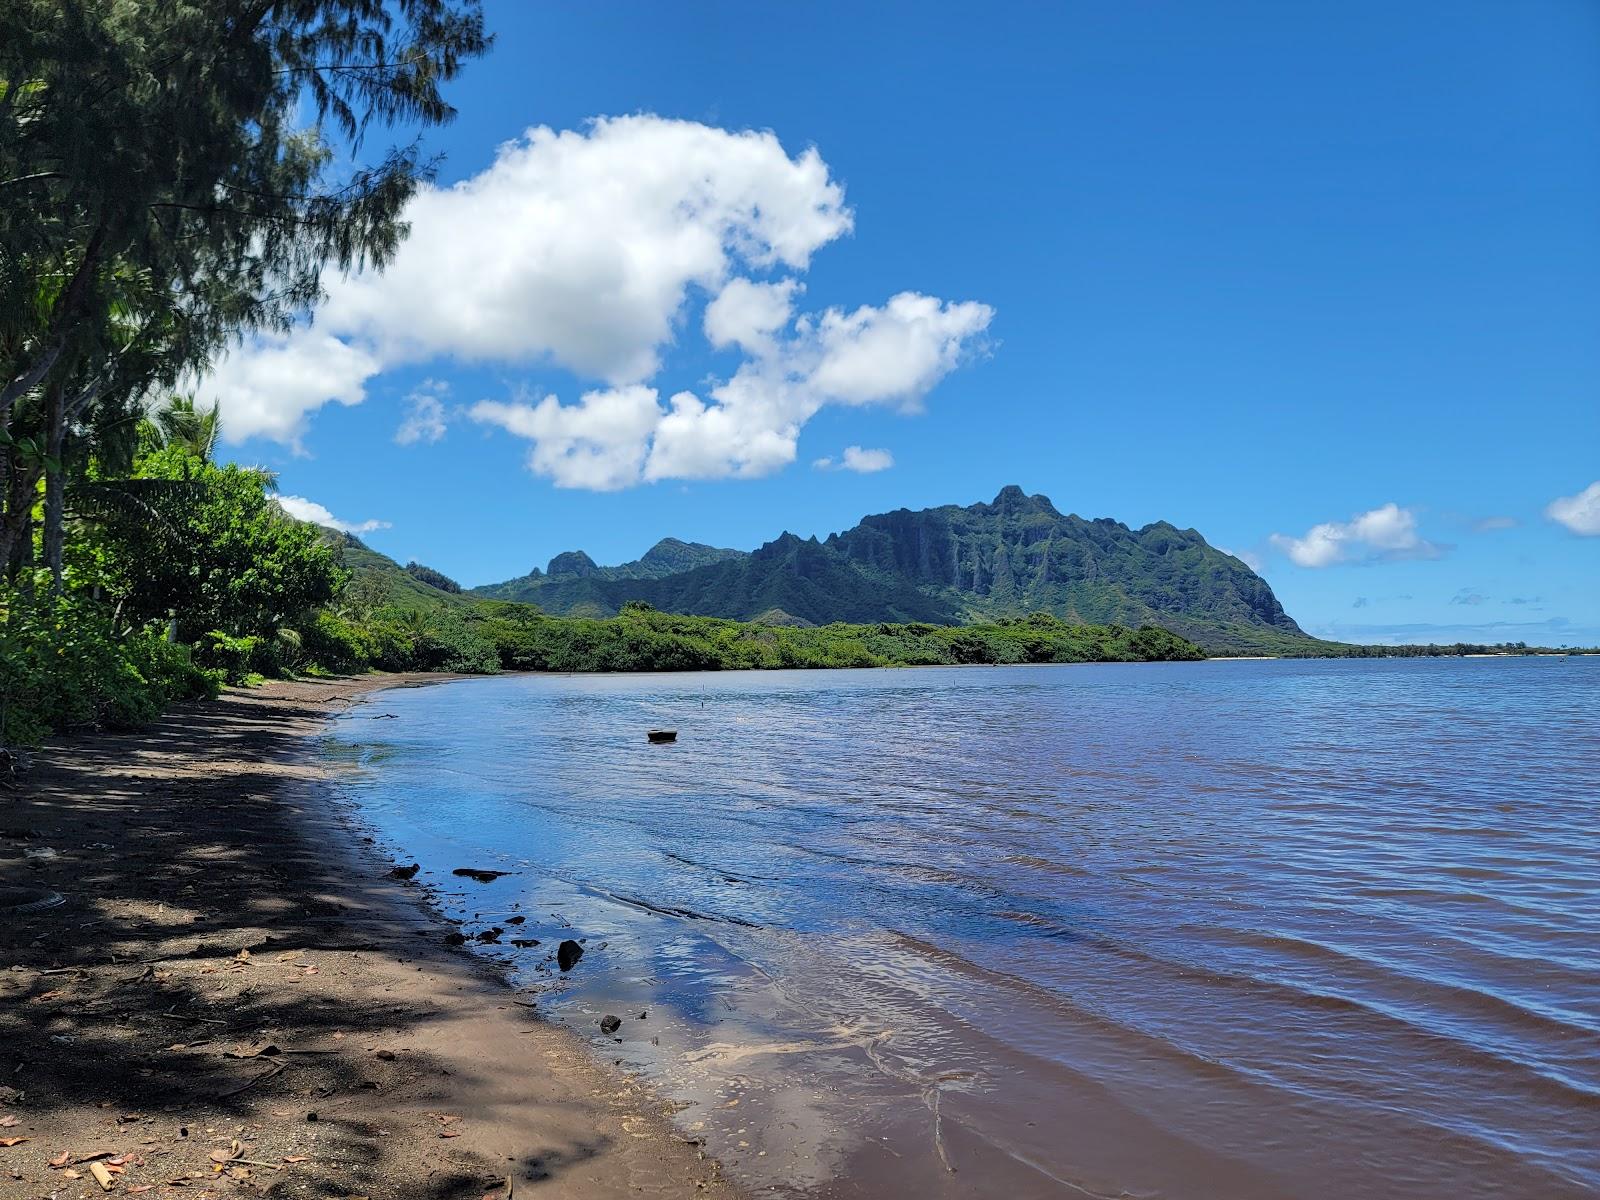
(949, 565)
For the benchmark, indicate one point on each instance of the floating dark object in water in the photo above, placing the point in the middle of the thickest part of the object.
(610, 1024)
(491, 935)
(568, 954)
(480, 875)
(516, 920)
(405, 872)
(524, 943)
(658, 736)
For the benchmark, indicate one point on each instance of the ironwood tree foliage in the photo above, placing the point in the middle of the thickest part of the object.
(173, 174)
(176, 174)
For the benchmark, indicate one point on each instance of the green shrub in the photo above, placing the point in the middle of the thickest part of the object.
(334, 644)
(62, 669)
(236, 657)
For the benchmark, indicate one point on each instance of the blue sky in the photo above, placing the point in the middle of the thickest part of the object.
(1319, 281)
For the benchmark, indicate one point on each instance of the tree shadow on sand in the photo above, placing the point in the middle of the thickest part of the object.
(222, 962)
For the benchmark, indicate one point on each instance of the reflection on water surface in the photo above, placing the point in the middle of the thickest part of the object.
(1251, 929)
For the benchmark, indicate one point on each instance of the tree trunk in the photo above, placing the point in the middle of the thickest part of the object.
(63, 321)
(55, 482)
(16, 531)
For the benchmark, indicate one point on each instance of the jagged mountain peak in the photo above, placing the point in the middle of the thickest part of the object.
(1010, 557)
(1012, 499)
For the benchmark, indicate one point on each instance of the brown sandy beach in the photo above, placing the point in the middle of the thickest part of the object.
(232, 975)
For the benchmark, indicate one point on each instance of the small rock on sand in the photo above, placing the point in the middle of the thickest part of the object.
(610, 1024)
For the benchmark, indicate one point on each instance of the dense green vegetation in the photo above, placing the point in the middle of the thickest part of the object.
(948, 565)
(392, 633)
(171, 183)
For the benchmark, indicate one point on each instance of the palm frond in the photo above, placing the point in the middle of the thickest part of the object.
(149, 504)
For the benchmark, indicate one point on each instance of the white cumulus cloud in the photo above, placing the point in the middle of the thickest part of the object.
(1386, 533)
(583, 250)
(1580, 513)
(746, 313)
(268, 388)
(893, 354)
(302, 509)
(598, 443)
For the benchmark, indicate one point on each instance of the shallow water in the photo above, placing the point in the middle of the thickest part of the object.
(1226, 929)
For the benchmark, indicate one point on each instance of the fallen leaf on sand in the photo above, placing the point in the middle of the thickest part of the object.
(16, 1141)
(7, 1122)
(292, 1158)
(450, 1133)
(69, 1173)
(61, 1159)
(266, 1051)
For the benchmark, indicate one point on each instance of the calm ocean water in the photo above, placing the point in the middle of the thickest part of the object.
(1227, 929)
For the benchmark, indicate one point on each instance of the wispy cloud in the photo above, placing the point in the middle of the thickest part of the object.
(425, 414)
(1580, 513)
(854, 458)
(1469, 597)
(302, 509)
(1490, 524)
(1384, 534)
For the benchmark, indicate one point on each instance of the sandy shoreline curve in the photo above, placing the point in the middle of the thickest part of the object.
(231, 996)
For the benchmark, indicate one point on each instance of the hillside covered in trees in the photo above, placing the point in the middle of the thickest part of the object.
(950, 565)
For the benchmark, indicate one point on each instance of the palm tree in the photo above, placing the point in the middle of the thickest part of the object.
(182, 423)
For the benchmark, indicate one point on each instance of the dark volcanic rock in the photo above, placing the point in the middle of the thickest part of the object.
(610, 1024)
(405, 872)
(568, 954)
(480, 875)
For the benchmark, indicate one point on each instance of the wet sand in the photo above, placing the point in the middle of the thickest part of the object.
(232, 975)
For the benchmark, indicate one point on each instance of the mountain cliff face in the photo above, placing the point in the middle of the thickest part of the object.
(1010, 557)
(1020, 555)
